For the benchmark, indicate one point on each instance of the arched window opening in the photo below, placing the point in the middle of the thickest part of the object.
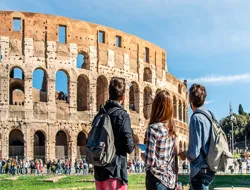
(81, 145)
(82, 61)
(147, 102)
(180, 111)
(180, 147)
(82, 93)
(62, 86)
(134, 97)
(147, 75)
(179, 89)
(40, 86)
(175, 107)
(16, 87)
(16, 144)
(61, 145)
(39, 145)
(102, 91)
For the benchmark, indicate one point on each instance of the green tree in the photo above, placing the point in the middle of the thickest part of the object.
(241, 110)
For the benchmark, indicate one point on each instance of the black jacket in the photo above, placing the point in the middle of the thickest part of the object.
(124, 144)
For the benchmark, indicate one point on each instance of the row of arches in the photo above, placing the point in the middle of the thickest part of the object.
(16, 144)
(180, 110)
(83, 99)
(62, 139)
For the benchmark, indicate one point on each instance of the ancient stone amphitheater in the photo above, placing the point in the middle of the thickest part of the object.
(48, 124)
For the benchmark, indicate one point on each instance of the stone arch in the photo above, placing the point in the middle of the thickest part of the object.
(185, 146)
(180, 110)
(62, 140)
(81, 145)
(135, 154)
(40, 85)
(184, 113)
(180, 147)
(82, 93)
(134, 97)
(16, 86)
(147, 75)
(39, 145)
(147, 102)
(175, 107)
(102, 91)
(82, 60)
(16, 144)
(62, 85)
(179, 89)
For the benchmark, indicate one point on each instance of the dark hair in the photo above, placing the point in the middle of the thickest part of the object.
(162, 111)
(116, 88)
(197, 95)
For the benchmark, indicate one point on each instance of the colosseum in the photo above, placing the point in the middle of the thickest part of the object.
(44, 122)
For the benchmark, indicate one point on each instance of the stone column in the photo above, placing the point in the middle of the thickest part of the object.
(72, 99)
(28, 50)
(93, 59)
(51, 99)
(4, 79)
(126, 100)
(28, 102)
(51, 144)
(92, 80)
(28, 141)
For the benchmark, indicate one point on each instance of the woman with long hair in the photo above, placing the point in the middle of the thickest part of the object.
(160, 145)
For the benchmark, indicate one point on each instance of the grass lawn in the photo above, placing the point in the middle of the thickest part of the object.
(136, 182)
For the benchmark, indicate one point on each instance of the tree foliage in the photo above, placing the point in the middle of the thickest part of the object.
(241, 110)
(241, 126)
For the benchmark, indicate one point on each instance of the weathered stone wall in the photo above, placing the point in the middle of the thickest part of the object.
(36, 45)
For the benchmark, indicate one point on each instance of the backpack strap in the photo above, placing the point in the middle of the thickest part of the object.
(113, 110)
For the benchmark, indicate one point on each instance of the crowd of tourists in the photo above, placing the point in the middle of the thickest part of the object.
(20, 167)
(37, 167)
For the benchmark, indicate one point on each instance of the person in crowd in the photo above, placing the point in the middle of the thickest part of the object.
(201, 176)
(114, 175)
(160, 155)
(240, 166)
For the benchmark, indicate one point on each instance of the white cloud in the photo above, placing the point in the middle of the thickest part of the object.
(208, 102)
(220, 80)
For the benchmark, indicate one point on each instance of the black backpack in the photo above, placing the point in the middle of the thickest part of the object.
(100, 146)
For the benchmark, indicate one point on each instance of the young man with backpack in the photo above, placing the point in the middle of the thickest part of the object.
(110, 140)
(208, 149)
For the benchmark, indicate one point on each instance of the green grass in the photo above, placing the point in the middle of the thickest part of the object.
(136, 182)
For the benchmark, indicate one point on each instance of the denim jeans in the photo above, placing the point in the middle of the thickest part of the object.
(202, 180)
(152, 183)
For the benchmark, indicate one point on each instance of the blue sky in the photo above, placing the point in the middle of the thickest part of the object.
(206, 41)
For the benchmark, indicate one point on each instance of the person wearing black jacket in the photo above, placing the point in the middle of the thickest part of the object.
(114, 175)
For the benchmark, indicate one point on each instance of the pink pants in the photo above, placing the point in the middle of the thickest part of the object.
(110, 184)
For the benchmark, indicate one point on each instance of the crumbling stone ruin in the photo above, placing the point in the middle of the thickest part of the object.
(49, 124)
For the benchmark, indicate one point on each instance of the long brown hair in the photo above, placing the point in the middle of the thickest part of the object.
(162, 111)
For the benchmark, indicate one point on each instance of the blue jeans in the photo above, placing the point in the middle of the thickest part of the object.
(152, 183)
(202, 180)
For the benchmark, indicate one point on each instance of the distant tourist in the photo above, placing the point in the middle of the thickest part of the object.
(160, 155)
(114, 175)
(201, 176)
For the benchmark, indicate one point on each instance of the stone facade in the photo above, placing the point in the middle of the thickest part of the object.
(46, 124)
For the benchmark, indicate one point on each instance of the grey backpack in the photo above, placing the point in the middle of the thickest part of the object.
(219, 158)
(100, 148)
